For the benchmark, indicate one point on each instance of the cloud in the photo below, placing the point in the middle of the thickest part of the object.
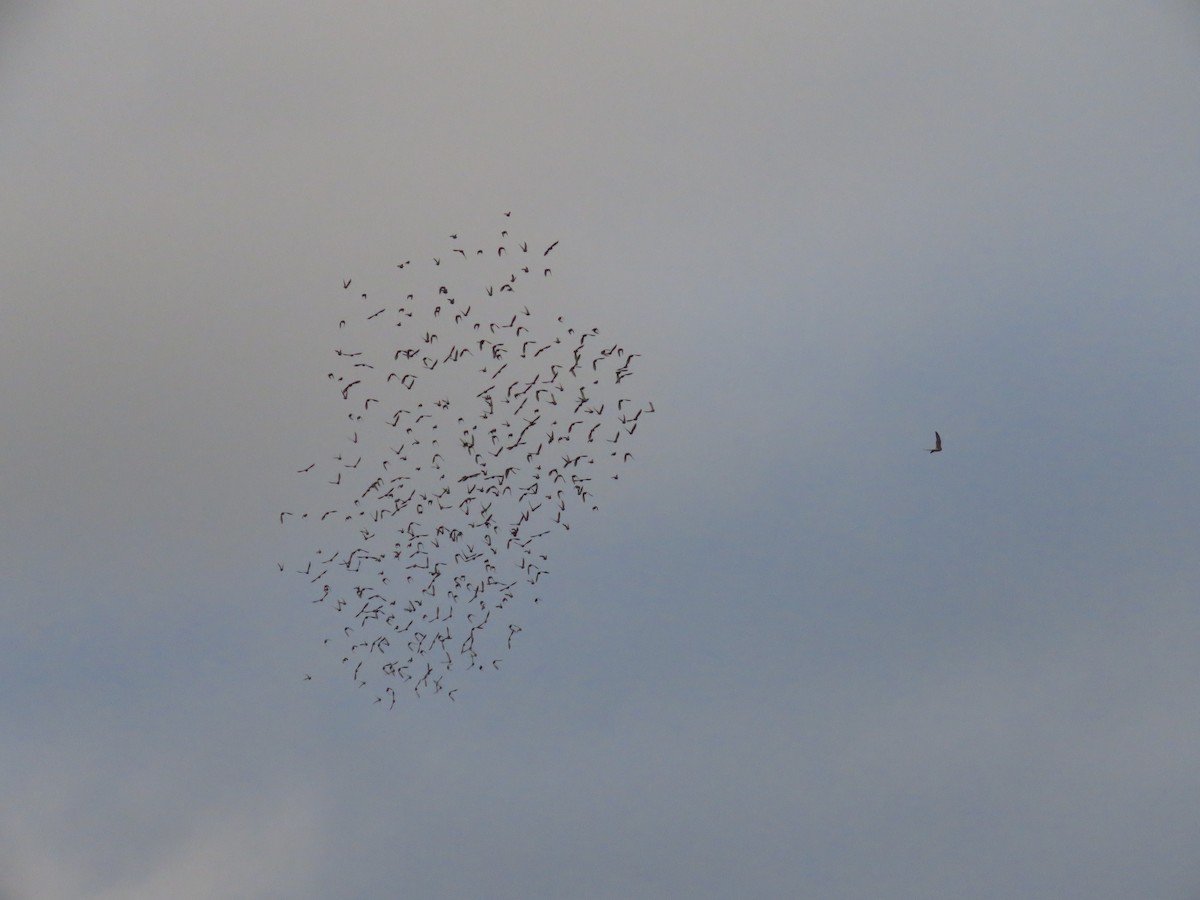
(263, 844)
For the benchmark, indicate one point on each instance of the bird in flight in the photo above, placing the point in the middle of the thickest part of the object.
(458, 529)
(937, 443)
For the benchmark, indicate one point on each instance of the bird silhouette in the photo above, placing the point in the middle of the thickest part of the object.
(440, 543)
(937, 443)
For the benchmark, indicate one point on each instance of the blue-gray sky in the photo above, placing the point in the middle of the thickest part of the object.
(792, 654)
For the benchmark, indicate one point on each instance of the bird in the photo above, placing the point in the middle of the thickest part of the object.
(460, 521)
(937, 443)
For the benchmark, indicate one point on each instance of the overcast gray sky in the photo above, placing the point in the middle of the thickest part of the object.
(792, 655)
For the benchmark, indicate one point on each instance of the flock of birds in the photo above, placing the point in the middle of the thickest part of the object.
(476, 426)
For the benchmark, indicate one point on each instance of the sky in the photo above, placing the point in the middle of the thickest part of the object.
(791, 654)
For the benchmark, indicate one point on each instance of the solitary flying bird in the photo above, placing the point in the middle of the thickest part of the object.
(937, 443)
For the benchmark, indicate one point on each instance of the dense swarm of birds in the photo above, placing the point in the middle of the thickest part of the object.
(475, 426)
